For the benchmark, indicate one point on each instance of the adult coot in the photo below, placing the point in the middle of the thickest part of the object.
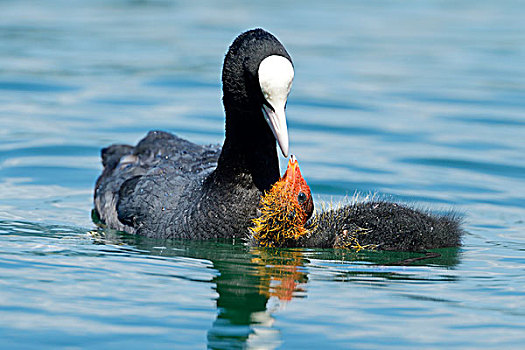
(171, 188)
(286, 208)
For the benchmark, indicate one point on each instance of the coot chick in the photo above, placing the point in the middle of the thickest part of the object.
(167, 187)
(370, 225)
(284, 210)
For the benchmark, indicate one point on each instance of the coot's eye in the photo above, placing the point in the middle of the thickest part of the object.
(301, 197)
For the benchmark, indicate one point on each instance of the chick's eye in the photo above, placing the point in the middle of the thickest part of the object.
(301, 197)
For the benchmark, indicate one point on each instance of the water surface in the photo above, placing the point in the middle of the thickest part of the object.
(420, 102)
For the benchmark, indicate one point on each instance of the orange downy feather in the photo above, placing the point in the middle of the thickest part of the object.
(285, 209)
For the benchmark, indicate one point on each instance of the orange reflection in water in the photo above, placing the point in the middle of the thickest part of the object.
(281, 272)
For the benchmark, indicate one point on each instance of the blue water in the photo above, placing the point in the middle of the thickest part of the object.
(420, 102)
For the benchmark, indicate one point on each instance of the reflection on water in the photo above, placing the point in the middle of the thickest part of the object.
(253, 283)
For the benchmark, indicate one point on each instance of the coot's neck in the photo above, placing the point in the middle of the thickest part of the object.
(249, 149)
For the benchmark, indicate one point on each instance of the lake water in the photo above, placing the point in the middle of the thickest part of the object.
(420, 102)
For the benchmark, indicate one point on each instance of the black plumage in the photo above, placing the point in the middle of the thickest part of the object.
(171, 188)
(382, 225)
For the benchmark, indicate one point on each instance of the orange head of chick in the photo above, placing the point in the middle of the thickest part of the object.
(285, 209)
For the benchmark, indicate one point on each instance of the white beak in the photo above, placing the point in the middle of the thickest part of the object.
(277, 121)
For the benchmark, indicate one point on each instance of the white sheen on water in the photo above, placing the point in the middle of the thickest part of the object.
(420, 102)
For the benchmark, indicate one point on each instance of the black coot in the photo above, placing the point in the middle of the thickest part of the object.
(171, 188)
